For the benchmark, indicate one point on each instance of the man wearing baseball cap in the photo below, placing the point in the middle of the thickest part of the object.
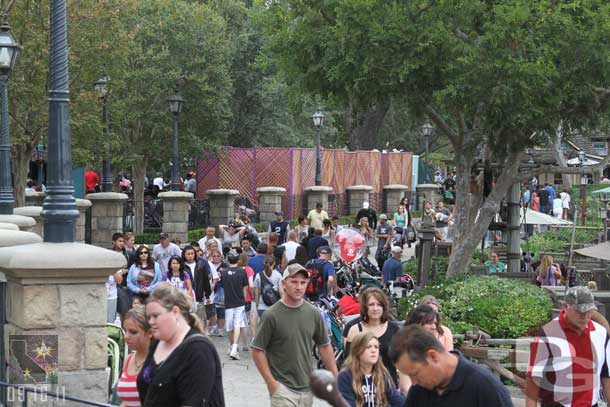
(569, 358)
(284, 342)
(325, 270)
(279, 226)
(164, 250)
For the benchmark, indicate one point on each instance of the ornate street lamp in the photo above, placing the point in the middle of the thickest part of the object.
(318, 121)
(427, 129)
(101, 87)
(582, 158)
(175, 106)
(59, 211)
(9, 51)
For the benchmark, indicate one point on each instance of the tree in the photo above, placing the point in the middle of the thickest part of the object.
(91, 31)
(178, 43)
(494, 77)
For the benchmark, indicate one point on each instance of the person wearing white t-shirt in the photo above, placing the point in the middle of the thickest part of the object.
(210, 234)
(565, 203)
(290, 248)
(557, 207)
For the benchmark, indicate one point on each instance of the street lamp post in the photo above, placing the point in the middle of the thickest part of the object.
(175, 106)
(318, 121)
(427, 130)
(582, 157)
(59, 211)
(9, 50)
(101, 87)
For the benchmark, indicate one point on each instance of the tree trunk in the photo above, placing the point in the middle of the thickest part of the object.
(363, 127)
(21, 156)
(566, 179)
(138, 170)
(475, 212)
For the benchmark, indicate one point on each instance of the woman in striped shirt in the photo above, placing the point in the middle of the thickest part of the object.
(138, 337)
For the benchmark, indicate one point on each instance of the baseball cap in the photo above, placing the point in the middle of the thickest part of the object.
(383, 216)
(279, 213)
(163, 235)
(396, 249)
(581, 298)
(294, 269)
(324, 250)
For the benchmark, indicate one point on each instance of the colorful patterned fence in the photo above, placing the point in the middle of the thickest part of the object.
(246, 169)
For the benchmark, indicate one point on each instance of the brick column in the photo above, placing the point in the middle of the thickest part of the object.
(34, 198)
(106, 216)
(34, 213)
(176, 208)
(393, 193)
(269, 202)
(24, 223)
(57, 289)
(82, 205)
(356, 196)
(427, 192)
(317, 194)
(221, 205)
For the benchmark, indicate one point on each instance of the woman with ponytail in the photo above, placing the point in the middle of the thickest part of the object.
(172, 373)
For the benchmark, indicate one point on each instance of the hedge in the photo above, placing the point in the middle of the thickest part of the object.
(502, 307)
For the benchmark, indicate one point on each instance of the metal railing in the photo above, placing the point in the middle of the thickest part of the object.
(17, 394)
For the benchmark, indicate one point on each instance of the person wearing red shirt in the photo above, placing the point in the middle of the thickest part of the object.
(91, 180)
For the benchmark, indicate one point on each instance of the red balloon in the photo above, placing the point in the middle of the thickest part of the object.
(350, 243)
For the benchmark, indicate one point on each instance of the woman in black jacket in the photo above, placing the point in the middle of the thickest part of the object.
(199, 271)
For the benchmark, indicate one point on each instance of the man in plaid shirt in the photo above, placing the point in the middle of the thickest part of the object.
(569, 359)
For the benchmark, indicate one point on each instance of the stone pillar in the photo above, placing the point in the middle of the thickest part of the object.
(428, 192)
(317, 194)
(34, 213)
(82, 205)
(176, 208)
(34, 198)
(24, 223)
(106, 216)
(57, 290)
(393, 193)
(221, 205)
(269, 202)
(356, 196)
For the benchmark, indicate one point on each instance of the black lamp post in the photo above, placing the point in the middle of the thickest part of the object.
(101, 87)
(9, 51)
(59, 210)
(582, 158)
(175, 106)
(318, 121)
(427, 129)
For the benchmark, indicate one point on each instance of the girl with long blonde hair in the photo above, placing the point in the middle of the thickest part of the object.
(364, 380)
(546, 273)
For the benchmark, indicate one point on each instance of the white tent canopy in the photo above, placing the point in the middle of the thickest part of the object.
(531, 217)
(599, 251)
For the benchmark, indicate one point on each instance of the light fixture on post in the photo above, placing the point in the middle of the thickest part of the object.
(9, 51)
(427, 130)
(582, 159)
(175, 106)
(101, 87)
(318, 121)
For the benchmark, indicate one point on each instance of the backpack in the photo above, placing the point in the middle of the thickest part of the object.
(268, 291)
(316, 277)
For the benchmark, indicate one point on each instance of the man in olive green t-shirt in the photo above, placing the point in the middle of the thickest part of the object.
(283, 346)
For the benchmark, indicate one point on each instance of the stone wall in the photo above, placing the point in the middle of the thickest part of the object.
(269, 202)
(221, 205)
(106, 216)
(176, 208)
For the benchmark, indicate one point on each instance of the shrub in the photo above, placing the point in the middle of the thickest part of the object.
(195, 235)
(147, 238)
(504, 308)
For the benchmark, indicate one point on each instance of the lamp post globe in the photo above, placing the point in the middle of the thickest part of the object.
(427, 130)
(176, 102)
(318, 121)
(9, 51)
(102, 89)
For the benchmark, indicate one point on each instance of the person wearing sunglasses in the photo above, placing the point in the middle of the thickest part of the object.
(144, 275)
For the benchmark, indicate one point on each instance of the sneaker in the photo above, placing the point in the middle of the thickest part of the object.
(220, 333)
(230, 350)
(234, 354)
(213, 331)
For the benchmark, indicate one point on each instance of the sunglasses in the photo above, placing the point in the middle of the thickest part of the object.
(143, 253)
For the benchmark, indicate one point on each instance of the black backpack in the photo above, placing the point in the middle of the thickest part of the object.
(268, 291)
(316, 277)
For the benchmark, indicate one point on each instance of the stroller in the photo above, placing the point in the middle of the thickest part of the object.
(117, 352)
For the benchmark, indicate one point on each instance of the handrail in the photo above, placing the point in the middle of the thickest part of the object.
(43, 392)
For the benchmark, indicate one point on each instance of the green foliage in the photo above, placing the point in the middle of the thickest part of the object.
(556, 240)
(196, 234)
(504, 308)
(147, 238)
(441, 264)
